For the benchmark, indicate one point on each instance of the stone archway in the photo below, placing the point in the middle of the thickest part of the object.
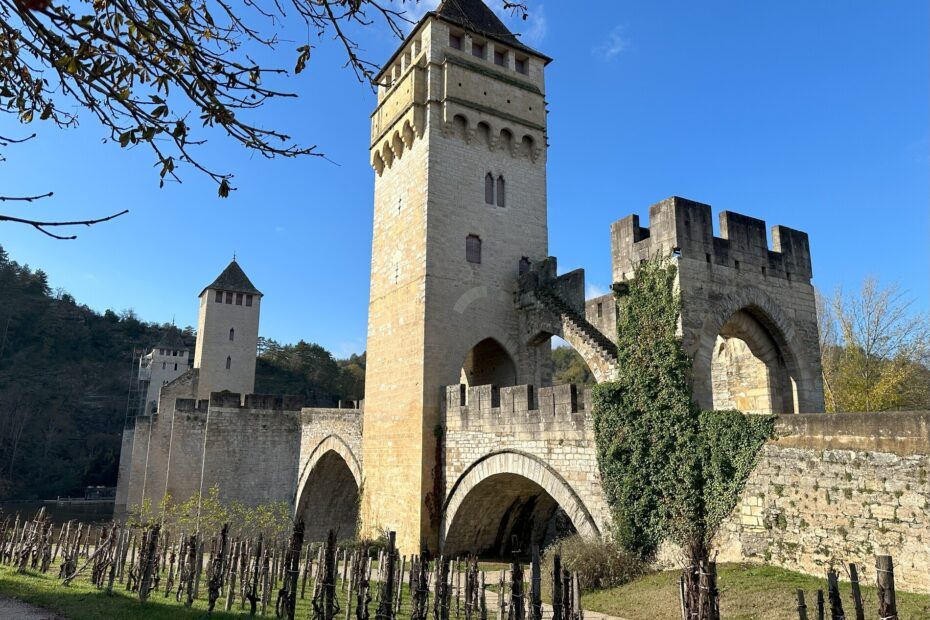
(752, 317)
(489, 363)
(510, 493)
(329, 490)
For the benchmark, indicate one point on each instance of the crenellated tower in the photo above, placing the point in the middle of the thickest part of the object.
(458, 145)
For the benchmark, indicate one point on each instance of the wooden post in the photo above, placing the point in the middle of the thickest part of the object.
(536, 612)
(557, 586)
(150, 563)
(386, 604)
(802, 606)
(836, 601)
(517, 607)
(856, 593)
(884, 575)
(820, 606)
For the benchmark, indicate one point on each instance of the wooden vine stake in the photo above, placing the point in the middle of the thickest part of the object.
(884, 575)
(856, 592)
(802, 606)
(536, 610)
(836, 601)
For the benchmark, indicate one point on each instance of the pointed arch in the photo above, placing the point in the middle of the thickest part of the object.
(501, 191)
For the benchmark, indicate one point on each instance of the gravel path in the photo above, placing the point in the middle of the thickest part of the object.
(12, 608)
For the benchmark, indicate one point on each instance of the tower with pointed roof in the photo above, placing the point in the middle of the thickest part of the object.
(458, 145)
(227, 334)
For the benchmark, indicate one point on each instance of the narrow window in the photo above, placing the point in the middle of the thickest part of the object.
(455, 41)
(248, 300)
(500, 58)
(501, 192)
(524, 265)
(489, 188)
(175, 366)
(477, 49)
(219, 297)
(228, 362)
(164, 365)
(600, 310)
(238, 299)
(520, 65)
(228, 297)
(737, 264)
(473, 249)
(232, 334)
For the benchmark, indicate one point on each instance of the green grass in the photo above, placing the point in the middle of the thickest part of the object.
(747, 592)
(82, 601)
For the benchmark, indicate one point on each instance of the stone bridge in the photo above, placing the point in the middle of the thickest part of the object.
(517, 462)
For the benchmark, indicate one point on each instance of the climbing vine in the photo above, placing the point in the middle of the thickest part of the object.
(669, 470)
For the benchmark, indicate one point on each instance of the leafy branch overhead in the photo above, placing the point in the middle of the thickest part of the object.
(157, 72)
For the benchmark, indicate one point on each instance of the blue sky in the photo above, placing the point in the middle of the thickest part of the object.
(809, 114)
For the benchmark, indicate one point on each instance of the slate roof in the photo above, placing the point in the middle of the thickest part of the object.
(172, 340)
(233, 279)
(474, 15)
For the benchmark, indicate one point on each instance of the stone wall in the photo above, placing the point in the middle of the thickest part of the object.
(839, 488)
(514, 435)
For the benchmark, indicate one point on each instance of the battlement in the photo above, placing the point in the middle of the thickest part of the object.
(229, 400)
(684, 228)
(519, 404)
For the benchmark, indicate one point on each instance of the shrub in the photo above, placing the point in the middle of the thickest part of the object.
(599, 562)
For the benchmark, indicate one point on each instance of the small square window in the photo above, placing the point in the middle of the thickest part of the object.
(477, 49)
(229, 297)
(500, 58)
(248, 300)
(520, 65)
(455, 41)
(239, 299)
(219, 297)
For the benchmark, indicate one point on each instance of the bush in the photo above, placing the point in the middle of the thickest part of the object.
(599, 562)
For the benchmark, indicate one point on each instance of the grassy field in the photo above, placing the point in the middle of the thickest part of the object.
(82, 601)
(747, 592)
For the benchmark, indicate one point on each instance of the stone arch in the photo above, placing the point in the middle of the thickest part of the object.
(506, 474)
(460, 126)
(489, 363)
(483, 133)
(386, 154)
(408, 134)
(328, 489)
(377, 162)
(506, 140)
(754, 317)
(528, 147)
(397, 145)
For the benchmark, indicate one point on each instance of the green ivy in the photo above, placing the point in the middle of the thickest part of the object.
(669, 470)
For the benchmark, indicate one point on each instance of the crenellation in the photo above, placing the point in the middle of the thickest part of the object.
(684, 228)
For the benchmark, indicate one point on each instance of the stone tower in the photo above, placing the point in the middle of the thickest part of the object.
(458, 144)
(227, 334)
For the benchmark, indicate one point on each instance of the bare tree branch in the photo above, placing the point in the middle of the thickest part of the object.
(40, 225)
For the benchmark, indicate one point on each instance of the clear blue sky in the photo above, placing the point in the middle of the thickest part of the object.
(811, 114)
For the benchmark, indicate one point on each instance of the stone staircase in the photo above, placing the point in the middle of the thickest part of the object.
(578, 331)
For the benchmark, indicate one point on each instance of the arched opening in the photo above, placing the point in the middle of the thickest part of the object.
(483, 133)
(568, 366)
(502, 509)
(460, 126)
(489, 363)
(232, 334)
(748, 370)
(330, 499)
(489, 188)
(506, 140)
(228, 362)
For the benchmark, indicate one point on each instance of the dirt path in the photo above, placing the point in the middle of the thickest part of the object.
(13, 608)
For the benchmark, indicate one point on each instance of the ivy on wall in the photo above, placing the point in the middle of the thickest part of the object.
(669, 470)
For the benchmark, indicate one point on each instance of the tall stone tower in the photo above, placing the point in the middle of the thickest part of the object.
(458, 144)
(227, 334)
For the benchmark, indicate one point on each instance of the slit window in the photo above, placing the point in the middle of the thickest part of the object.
(501, 192)
(175, 366)
(600, 310)
(473, 249)
(489, 188)
(228, 362)
(232, 334)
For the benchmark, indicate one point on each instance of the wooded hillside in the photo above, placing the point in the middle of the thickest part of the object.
(64, 378)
